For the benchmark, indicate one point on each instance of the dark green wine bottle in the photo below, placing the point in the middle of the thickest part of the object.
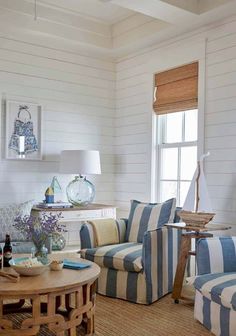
(7, 251)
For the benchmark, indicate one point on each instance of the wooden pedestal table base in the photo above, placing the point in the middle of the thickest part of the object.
(75, 288)
(185, 250)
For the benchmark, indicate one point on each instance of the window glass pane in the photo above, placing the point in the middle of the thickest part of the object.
(191, 125)
(169, 163)
(168, 190)
(184, 186)
(188, 162)
(174, 127)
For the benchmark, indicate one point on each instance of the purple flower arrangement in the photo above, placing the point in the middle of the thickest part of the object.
(38, 229)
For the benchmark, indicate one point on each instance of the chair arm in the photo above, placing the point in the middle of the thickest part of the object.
(87, 236)
(160, 257)
(216, 255)
(122, 226)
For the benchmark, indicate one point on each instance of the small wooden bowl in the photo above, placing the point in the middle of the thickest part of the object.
(56, 265)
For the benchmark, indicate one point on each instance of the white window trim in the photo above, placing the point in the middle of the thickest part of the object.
(159, 146)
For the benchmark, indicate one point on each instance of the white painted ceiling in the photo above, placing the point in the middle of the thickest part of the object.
(113, 11)
(100, 10)
(108, 27)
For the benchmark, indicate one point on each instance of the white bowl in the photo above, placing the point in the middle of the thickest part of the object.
(27, 271)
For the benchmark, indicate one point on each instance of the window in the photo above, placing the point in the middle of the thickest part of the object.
(176, 105)
(176, 154)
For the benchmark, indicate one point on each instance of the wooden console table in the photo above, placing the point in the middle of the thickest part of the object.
(190, 233)
(81, 213)
(73, 217)
(77, 289)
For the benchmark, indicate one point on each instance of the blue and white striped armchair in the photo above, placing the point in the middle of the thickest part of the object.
(215, 301)
(140, 269)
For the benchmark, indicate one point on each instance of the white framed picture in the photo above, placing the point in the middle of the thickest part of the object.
(23, 131)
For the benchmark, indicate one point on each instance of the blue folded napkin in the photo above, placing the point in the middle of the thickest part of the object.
(74, 265)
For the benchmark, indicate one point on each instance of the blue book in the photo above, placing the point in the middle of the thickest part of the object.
(75, 265)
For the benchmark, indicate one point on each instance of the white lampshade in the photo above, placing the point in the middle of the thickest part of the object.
(83, 162)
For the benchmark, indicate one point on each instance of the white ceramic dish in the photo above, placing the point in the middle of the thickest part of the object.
(27, 271)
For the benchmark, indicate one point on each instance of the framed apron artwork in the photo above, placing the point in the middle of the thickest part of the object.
(23, 131)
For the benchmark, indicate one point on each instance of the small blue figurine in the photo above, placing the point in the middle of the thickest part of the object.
(49, 195)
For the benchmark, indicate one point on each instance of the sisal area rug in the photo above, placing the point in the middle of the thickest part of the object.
(120, 318)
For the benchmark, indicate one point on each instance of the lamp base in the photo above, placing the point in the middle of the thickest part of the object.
(80, 191)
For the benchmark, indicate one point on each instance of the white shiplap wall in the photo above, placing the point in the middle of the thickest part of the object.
(134, 130)
(221, 121)
(77, 95)
(78, 91)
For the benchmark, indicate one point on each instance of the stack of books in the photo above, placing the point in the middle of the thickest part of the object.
(54, 205)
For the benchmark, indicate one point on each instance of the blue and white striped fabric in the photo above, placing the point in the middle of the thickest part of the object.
(148, 216)
(216, 255)
(218, 287)
(159, 255)
(218, 319)
(124, 257)
(121, 226)
(87, 237)
(215, 301)
(131, 286)
(177, 219)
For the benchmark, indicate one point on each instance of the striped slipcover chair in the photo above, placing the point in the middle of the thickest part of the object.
(142, 266)
(215, 301)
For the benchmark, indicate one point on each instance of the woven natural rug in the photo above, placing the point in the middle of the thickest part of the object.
(121, 318)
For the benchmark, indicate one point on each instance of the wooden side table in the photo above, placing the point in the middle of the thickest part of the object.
(190, 233)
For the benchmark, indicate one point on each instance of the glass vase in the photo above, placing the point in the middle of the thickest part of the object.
(41, 253)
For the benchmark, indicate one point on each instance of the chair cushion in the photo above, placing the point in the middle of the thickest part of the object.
(218, 287)
(124, 257)
(148, 216)
(106, 231)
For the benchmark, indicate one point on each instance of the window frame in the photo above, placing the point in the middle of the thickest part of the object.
(160, 144)
(195, 50)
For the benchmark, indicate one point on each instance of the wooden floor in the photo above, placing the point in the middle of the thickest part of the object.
(163, 318)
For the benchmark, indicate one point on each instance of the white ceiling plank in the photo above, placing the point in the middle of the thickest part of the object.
(206, 5)
(54, 15)
(139, 33)
(130, 23)
(189, 5)
(105, 12)
(42, 27)
(157, 9)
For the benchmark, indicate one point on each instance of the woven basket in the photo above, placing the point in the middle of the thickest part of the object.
(197, 219)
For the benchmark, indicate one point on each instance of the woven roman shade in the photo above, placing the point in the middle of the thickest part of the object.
(176, 89)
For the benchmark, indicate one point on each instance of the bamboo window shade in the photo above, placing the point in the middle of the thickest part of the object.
(176, 89)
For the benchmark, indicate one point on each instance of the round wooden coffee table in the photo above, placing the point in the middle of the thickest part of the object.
(46, 292)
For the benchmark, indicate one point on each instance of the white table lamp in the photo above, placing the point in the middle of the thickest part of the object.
(80, 191)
